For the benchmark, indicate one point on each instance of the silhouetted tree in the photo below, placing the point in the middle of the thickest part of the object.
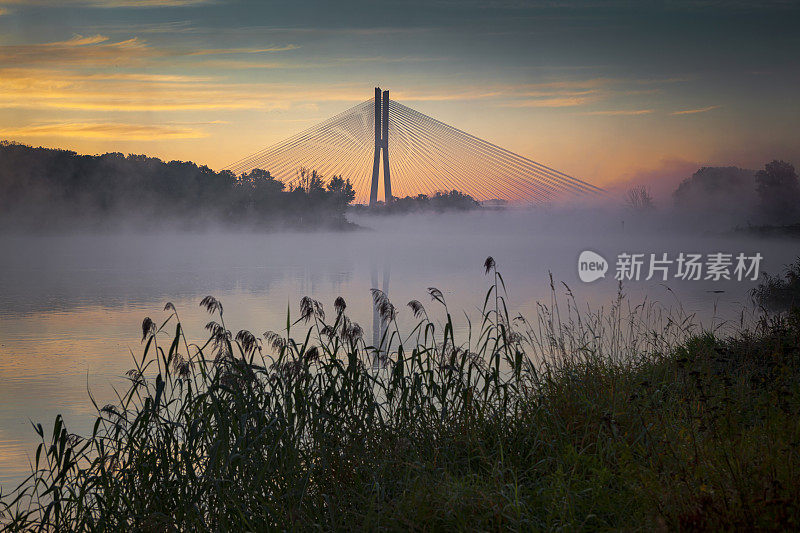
(439, 202)
(310, 181)
(639, 198)
(341, 189)
(717, 189)
(778, 192)
(261, 179)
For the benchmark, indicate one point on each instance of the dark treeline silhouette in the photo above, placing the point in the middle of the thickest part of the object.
(441, 201)
(766, 201)
(722, 190)
(768, 196)
(51, 189)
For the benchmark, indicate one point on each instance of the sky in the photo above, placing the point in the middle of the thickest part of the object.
(610, 92)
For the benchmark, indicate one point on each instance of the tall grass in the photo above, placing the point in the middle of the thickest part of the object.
(617, 418)
(776, 293)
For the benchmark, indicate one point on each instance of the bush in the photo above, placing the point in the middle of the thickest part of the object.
(779, 294)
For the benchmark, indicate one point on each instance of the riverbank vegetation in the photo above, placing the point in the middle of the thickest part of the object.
(627, 417)
(439, 202)
(779, 293)
(768, 197)
(58, 189)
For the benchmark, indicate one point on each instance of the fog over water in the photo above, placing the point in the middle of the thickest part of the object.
(71, 306)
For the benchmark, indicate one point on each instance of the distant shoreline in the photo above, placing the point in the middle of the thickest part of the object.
(787, 230)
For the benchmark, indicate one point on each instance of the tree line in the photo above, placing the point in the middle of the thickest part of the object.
(767, 196)
(44, 188)
(439, 202)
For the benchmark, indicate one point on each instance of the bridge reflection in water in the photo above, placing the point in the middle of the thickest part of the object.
(380, 338)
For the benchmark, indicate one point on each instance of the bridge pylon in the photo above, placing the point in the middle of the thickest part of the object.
(428, 156)
(381, 144)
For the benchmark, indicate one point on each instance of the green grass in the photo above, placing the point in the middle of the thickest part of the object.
(623, 418)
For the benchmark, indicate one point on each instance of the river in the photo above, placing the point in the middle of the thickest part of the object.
(71, 306)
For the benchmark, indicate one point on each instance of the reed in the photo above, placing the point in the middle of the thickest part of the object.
(628, 417)
(776, 293)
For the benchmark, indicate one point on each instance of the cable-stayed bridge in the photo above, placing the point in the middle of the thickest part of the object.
(421, 155)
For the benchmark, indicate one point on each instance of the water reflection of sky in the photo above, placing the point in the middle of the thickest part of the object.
(71, 308)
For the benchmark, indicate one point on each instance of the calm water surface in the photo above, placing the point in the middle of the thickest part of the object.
(71, 306)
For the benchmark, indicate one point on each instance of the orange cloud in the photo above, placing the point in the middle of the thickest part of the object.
(568, 101)
(615, 112)
(221, 51)
(77, 87)
(47, 76)
(80, 40)
(557, 93)
(55, 89)
(694, 111)
(227, 64)
(475, 94)
(100, 51)
(110, 3)
(105, 130)
(591, 83)
(142, 3)
(88, 51)
(296, 65)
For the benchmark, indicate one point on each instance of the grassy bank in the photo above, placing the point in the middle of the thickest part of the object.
(621, 418)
